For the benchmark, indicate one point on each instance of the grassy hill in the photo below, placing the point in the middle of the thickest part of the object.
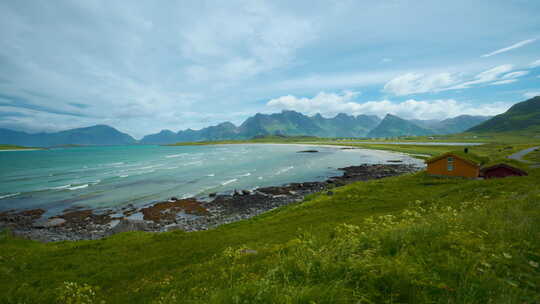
(408, 239)
(523, 116)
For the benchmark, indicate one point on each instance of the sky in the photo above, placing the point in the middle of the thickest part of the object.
(144, 66)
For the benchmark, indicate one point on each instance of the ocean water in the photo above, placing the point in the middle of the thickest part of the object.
(114, 176)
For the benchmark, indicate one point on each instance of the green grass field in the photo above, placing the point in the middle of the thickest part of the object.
(407, 239)
(13, 147)
(533, 156)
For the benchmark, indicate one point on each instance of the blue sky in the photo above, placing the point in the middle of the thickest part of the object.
(143, 66)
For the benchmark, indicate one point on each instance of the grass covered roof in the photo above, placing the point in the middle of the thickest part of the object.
(469, 157)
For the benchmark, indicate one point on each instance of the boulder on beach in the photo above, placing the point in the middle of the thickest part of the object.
(49, 223)
(308, 151)
(54, 222)
(127, 225)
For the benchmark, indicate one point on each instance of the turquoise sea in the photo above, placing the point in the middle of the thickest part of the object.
(113, 176)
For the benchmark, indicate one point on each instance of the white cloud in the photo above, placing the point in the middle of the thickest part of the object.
(333, 81)
(330, 104)
(531, 94)
(535, 64)
(412, 83)
(505, 81)
(326, 103)
(489, 75)
(509, 48)
(515, 74)
(235, 42)
(386, 60)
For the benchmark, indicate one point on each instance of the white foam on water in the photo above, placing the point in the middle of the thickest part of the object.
(193, 163)
(244, 175)
(123, 175)
(61, 187)
(9, 195)
(283, 170)
(147, 167)
(78, 187)
(260, 177)
(229, 181)
(172, 168)
(175, 155)
(211, 175)
(144, 172)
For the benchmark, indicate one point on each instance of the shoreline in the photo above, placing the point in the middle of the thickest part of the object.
(189, 214)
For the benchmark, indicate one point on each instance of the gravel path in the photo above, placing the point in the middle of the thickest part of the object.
(519, 155)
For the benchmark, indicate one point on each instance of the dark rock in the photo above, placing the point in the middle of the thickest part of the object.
(213, 194)
(129, 225)
(308, 151)
(54, 222)
(21, 219)
(176, 227)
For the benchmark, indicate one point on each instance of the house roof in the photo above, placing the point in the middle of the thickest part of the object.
(503, 165)
(470, 158)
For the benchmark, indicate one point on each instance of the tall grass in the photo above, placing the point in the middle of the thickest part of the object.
(480, 251)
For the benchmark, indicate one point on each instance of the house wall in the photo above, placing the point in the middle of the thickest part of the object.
(461, 168)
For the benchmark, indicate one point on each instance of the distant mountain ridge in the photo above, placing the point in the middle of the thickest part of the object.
(451, 125)
(523, 116)
(284, 123)
(289, 123)
(342, 125)
(393, 126)
(95, 135)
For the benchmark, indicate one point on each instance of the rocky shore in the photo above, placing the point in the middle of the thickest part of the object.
(188, 214)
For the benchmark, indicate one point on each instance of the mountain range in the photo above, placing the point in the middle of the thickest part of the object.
(288, 123)
(292, 123)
